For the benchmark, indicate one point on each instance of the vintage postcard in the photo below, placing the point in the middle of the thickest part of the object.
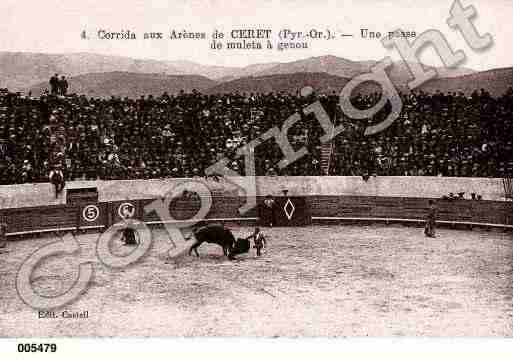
(256, 169)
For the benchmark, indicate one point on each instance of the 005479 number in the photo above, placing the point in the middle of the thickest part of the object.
(34, 348)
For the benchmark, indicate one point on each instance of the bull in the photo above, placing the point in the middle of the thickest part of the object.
(213, 233)
(218, 234)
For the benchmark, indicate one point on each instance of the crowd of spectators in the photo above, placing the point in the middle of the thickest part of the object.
(181, 135)
(435, 135)
(24, 139)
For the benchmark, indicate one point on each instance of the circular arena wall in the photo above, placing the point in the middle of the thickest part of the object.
(32, 208)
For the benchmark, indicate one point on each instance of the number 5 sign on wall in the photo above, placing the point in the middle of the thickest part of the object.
(91, 216)
(90, 213)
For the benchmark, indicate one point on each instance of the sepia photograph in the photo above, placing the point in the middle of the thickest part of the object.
(258, 169)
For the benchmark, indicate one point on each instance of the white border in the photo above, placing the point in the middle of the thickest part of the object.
(248, 348)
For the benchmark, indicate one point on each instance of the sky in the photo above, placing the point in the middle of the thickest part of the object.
(54, 26)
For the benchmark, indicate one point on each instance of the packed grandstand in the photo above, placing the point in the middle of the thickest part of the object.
(181, 135)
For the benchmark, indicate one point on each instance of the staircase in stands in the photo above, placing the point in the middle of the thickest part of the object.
(326, 153)
(56, 131)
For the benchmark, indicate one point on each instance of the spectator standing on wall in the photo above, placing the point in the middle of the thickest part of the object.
(54, 84)
(63, 86)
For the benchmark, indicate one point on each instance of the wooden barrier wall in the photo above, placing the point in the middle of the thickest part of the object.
(104, 214)
(411, 208)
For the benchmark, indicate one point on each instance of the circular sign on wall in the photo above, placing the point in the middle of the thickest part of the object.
(126, 210)
(90, 213)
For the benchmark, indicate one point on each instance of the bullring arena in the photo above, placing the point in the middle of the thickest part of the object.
(362, 267)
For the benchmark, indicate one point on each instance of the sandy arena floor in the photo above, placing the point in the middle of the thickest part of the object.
(312, 281)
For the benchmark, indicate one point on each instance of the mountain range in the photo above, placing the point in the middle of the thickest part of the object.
(103, 75)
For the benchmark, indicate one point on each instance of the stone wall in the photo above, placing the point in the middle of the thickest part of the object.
(32, 195)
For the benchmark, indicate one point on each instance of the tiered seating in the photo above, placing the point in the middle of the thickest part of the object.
(182, 135)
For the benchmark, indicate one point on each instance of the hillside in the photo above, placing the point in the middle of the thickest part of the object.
(220, 73)
(290, 83)
(102, 75)
(337, 66)
(132, 85)
(20, 70)
(495, 81)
